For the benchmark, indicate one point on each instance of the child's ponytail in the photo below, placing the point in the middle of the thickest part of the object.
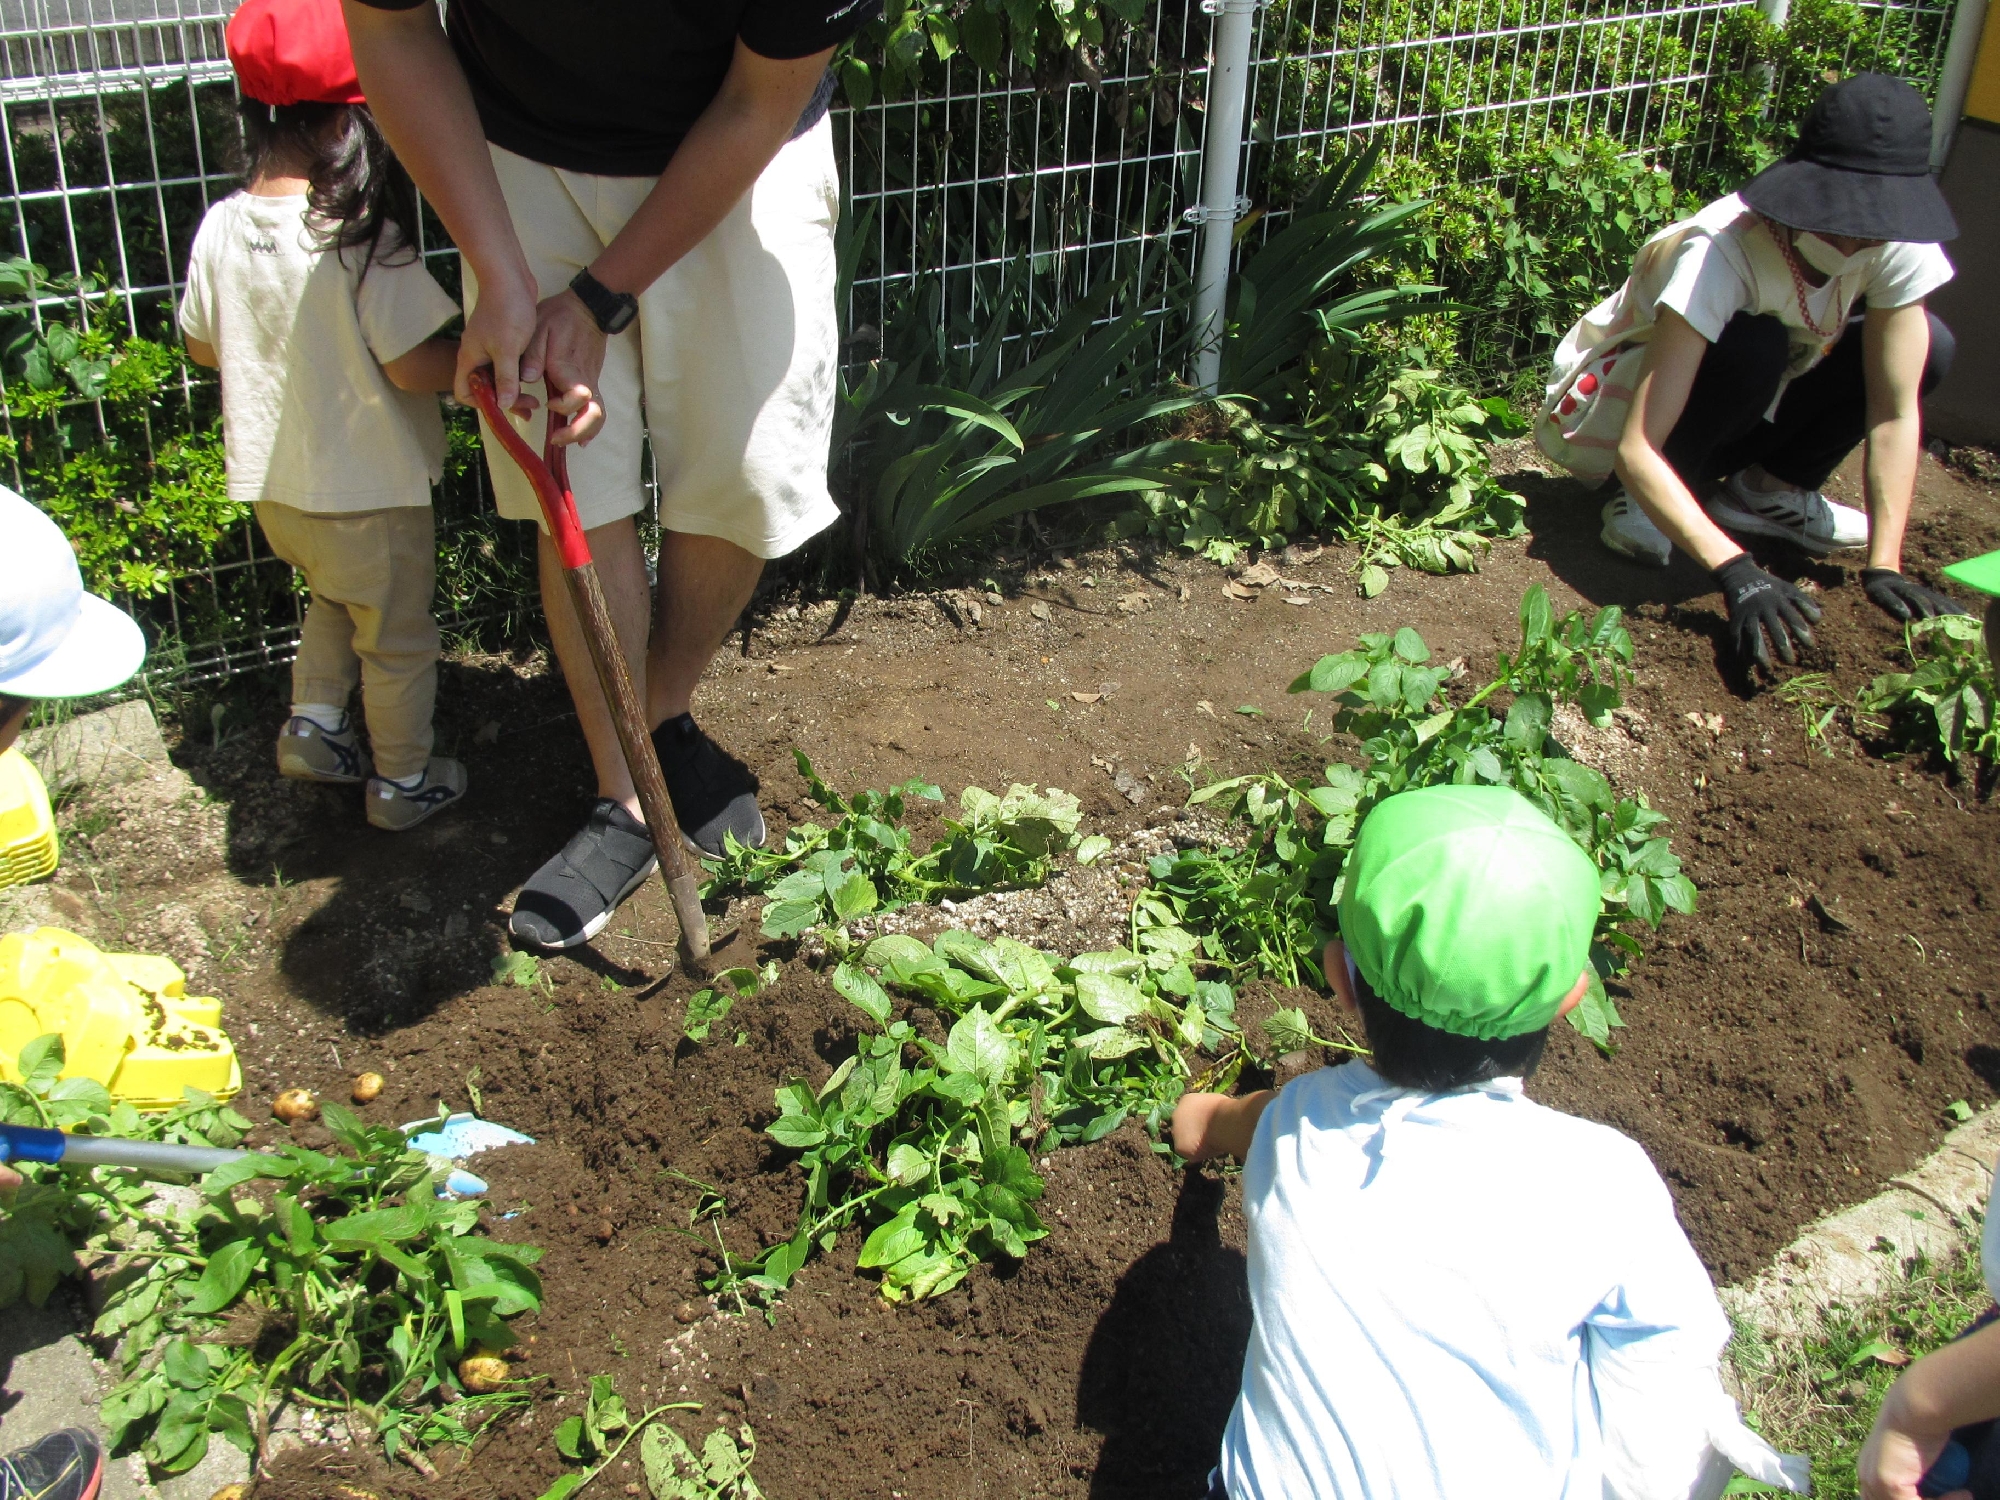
(357, 187)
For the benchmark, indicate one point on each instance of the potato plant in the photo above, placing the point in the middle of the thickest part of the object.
(825, 877)
(930, 1145)
(1947, 700)
(1270, 905)
(339, 1281)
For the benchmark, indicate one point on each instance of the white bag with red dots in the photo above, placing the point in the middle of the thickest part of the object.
(1598, 362)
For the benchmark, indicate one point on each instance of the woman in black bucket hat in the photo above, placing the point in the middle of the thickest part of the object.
(1753, 347)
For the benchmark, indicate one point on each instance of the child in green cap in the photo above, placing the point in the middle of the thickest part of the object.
(1456, 1291)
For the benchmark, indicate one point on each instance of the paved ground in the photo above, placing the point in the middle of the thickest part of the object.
(48, 1379)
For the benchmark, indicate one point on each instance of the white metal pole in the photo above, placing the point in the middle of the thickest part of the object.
(1955, 77)
(1221, 160)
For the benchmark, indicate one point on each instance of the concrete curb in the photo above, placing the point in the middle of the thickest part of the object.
(1934, 1209)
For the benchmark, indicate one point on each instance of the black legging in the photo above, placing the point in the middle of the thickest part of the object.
(1823, 416)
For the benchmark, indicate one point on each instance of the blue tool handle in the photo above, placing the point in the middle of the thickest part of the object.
(28, 1143)
(31, 1143)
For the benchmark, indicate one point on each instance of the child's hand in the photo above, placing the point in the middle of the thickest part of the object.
(1892, 1461)
(1210, 1125)
(1896, 1456)
(1192, 1118)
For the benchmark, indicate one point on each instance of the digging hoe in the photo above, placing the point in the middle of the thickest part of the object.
(550, 476)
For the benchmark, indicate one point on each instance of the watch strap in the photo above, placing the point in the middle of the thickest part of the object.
(613, 311)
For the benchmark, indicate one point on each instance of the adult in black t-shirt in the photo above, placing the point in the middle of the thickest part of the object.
(643, 196)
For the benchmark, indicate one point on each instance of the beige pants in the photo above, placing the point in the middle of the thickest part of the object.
(730, 367)
(371, 573)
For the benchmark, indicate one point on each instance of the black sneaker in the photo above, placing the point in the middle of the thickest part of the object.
(569, 899)
(65, 1465)
(714, 793)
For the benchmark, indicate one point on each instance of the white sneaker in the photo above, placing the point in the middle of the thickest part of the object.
(1630, 532)
(1805, 518)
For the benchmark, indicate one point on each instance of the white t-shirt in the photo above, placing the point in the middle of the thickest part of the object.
(1469, 1294)
(308, 417)
(1708, 268)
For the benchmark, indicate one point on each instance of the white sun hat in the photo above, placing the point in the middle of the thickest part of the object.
(56, 641)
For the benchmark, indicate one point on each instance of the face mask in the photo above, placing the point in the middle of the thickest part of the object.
(1826, 258)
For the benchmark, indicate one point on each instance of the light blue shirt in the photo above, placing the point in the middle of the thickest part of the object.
(1432, 1277)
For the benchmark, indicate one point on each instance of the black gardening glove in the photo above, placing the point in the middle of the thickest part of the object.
(1760, 605)
(1903, 598)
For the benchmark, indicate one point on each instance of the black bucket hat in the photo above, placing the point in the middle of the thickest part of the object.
(1862, 167)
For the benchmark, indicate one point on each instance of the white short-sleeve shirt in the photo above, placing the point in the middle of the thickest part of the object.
(1708, 268)
(309, 419)
(1433, 1278)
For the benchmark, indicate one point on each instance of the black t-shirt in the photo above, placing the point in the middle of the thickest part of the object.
(612, 88)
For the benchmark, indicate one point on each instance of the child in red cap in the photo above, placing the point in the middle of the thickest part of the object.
(306, 290)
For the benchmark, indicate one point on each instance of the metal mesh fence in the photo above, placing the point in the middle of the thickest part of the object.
(120, 124)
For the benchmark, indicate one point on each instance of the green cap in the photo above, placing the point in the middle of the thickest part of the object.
(1467, 908)
(1982, 573)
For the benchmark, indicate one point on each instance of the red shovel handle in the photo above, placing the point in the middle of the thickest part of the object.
(549, 475)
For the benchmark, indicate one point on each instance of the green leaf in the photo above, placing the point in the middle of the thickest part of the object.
(787, 919)
(1597, 700)
(1410, 647)
(973, 954)
(1093, 848)
(186, 1366)
(892, 1240)
(1110, 1042)
(853, 896)
(1537, 616)
(1333, 674)
(1528, 720)
(908, 1164)
(377, 1227)
(979, 1047)
(672, 1472)
(40, 1061)
(705, 1008)
(1108, 998)
(796, 1132)
(569, 1438)
(228, 1271)
(1595, 1016)
(900, 955)
(859, 987)
(969, 407)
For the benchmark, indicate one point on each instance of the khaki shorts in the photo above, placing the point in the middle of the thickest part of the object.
(730, 367)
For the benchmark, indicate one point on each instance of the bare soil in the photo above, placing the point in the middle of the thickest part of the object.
(1790, 1047)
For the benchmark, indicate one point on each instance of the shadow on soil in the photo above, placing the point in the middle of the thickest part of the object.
(1563, 522)
(406, 919)
(1163, 1364)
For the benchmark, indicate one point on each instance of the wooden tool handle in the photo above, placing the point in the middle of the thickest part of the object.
(676, 868)
(549, 474)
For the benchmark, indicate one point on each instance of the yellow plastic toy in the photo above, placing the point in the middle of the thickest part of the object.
(126, 1019)
(27, 826)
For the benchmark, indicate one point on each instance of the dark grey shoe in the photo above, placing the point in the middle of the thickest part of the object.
(714, 793)
(569, 899)
(65, 1465)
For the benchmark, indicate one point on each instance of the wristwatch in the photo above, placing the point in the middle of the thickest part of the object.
(614, 311)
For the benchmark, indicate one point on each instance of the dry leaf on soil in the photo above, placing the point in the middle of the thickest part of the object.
(1259, 576)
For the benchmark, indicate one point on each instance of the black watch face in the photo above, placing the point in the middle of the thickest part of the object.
(622, 312)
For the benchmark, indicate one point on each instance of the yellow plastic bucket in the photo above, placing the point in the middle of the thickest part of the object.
(126, 1019)
(28, 849)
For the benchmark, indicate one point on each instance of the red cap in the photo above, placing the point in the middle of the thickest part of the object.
(293, 52)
